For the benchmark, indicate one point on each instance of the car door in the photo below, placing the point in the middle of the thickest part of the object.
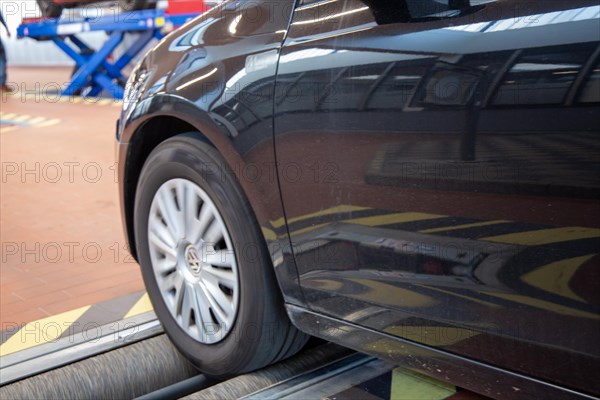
(439, 170)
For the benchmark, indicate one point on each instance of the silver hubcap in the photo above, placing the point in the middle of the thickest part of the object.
(193, 260)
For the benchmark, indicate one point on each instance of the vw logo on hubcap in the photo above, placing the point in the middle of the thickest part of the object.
(192, 259)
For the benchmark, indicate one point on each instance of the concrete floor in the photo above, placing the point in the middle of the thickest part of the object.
(62, 242)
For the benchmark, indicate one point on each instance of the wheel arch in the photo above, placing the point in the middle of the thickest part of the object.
(148, 135)
(145, 134)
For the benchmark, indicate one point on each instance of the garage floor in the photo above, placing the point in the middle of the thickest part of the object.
(62, 241)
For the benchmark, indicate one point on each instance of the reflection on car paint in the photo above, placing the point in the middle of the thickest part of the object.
(439, 173)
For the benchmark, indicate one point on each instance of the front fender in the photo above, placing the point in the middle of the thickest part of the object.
(249, 155)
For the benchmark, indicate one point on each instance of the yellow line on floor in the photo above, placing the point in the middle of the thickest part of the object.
(546, 236)
(49, 122)
(37, 120)
(408, 385)
(28, 121)
(555, 277)
(21, 118)
(41, 331)
(141, 306)
(465, 226)
(8, 128)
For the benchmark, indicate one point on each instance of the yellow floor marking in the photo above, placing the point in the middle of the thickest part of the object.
(328, 211)
(432, 335)
(555, 277)
(50, 122)
(63, 99)
(392, 218)
(392, 347)
(465, 226)
(104, 102)
(473, 299)
(21, 118)
(546, 236)
(41, 331)
(143, 305)
(7, 115)
(37, 120)
(545, 305)
(8, 128)
(379, 293)
(407, 385)
(76, 99)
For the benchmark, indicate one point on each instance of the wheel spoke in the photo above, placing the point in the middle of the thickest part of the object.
(206, 215)
(214, 306)
(166, 265)
(214, 232)
(171, 213)
(192, 227)
(173, 281)
(162, 231)
(187, 305)
(182, 190)
(163, 247)
(206, 319)
(220, 300)
(179, 285)
(220, 258)
(162, 209)
(225, 277)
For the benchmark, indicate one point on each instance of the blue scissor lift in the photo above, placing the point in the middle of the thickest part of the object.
(95, 73)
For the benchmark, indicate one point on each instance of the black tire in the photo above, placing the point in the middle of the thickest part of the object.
(50, 9)
(132, 5)
(262, 333)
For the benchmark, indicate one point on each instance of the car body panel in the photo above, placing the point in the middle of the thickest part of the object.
(443, 366)
(205, 74)
(429, 184)
(441, 178)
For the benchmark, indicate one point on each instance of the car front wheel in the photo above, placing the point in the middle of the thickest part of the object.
(205, 264)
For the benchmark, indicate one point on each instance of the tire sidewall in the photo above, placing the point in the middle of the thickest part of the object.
(200, 164)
